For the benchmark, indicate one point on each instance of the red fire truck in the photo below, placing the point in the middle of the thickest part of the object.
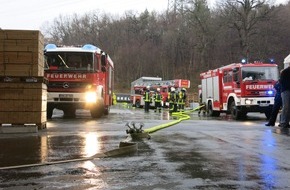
(137, 89)
(239, 88)
(79, 78)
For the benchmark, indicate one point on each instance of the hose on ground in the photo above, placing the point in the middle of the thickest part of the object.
(125, 146)
(181, 116)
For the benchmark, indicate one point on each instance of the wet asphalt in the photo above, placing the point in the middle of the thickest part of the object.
(199, 153)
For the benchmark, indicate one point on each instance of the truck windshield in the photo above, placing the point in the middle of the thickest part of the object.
(259, 73)
(82, 61)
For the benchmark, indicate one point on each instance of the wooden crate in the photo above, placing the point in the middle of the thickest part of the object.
(23, 102)
(20, 35)
(21, 70)
(21, 53)
(18, 57)
(26, 128)
(20, 45)
(21, 118)
(22, 105)
(35, 91)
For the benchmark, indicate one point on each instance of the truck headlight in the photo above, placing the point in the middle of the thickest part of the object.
(91, 97)
(248, 102)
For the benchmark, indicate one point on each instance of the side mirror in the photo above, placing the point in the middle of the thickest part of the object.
(103, 62)
(236, 74)
(235, 77)
(236, 69)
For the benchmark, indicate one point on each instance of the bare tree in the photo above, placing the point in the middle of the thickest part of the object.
(244, 15)
(197, 39)
(201, 23)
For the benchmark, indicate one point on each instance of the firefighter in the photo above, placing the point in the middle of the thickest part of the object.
(172, 97)
(277, 105)
(114, 99)
(285, 94)
(181, 99)
(168, 99)
(201, 104)
(157, 99)
(147, 98)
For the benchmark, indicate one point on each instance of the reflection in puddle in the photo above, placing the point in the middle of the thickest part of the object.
(281, 131)
(89, 165)
(268, 163)
(43, 148)
(92, 145)
(165, 116)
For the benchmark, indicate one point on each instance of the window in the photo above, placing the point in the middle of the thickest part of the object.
(260, 73)
(69, 60)
(225, 76)
(228, 76)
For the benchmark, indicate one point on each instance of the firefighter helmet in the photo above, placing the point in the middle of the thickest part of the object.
(148, 87)
(158, 89)
(183, 89)
(172, 89)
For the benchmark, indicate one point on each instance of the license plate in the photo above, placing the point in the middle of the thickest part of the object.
(66, 96)
(264, 104)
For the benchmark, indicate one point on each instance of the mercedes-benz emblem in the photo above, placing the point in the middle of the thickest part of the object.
(65, 85)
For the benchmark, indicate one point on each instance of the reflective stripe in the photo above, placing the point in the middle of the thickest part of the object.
(158, 97)
(147, 96)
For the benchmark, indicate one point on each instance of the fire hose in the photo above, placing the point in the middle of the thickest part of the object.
(126, 146)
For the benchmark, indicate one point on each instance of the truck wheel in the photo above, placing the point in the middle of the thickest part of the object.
(97, 113)
(234, 111)
(236, 114)
(98, 110)
(69, 113)
(211, 112)
(107, 110)
(49, 111)
(137, 104)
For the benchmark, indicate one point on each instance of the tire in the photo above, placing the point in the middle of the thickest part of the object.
(211, 112)
(235, 113)
(137, 104)
(69, 113)
(107, 110)
(96, 113)
(49, 111)
(98, 110)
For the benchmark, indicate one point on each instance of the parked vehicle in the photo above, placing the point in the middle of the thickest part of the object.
(79, 78)
(239, 88)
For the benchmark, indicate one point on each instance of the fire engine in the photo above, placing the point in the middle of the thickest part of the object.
(239, 88)
(137, 89)
(80, 77)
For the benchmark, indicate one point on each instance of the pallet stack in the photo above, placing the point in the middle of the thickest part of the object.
(23, 90)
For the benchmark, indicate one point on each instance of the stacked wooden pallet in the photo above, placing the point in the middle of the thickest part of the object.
(23, 92)
(21, 53)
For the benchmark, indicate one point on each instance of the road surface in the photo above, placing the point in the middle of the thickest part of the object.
(199, 153)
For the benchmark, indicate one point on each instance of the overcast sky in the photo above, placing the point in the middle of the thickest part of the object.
(32, 14)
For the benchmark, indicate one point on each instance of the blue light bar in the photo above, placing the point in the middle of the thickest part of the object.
(89, 47)
(272, 60)
(50, 46)
(243, 61)
(270, 92)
